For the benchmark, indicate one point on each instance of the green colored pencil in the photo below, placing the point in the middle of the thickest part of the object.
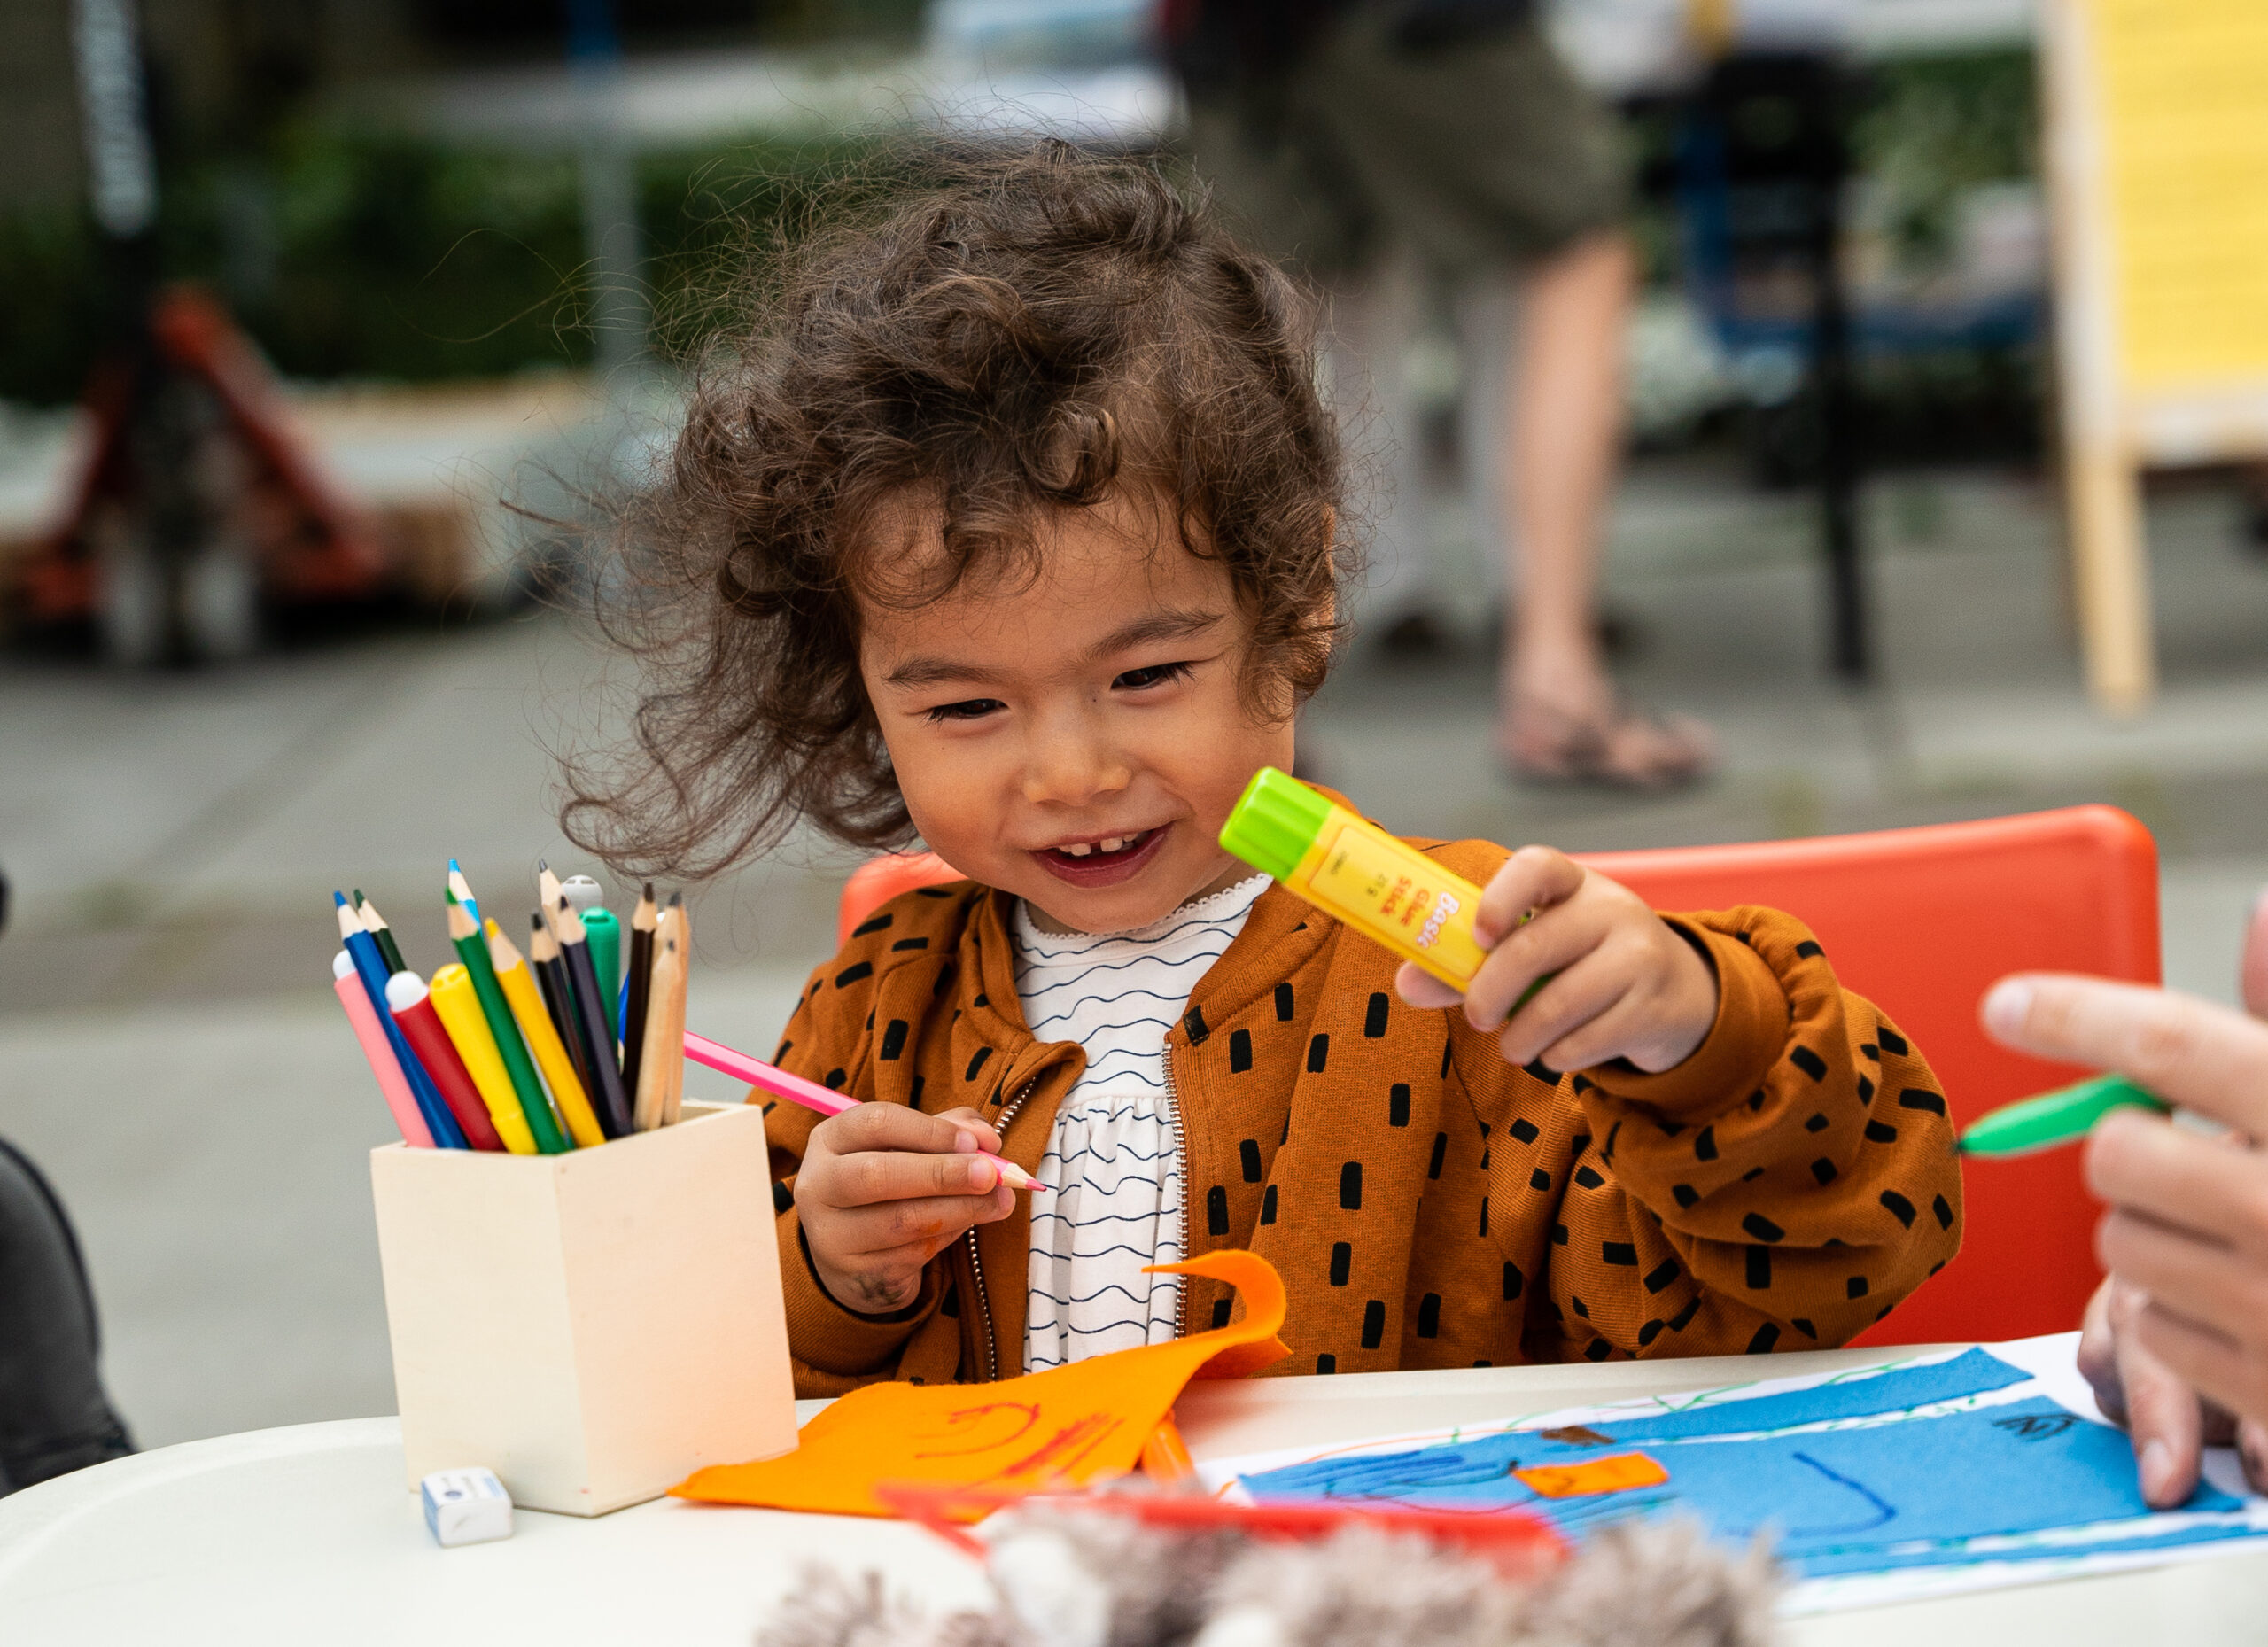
(2062, 1116)
(473, 951)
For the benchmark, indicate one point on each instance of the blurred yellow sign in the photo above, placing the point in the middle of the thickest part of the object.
(2183, 93)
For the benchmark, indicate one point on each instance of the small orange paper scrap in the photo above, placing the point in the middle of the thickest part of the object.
(1617, 1474)
(1066, 1426)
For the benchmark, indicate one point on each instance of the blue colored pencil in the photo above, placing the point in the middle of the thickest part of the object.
(371, 967)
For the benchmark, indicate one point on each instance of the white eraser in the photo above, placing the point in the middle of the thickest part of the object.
(466, 1506)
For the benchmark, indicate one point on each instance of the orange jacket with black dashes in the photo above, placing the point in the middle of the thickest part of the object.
(1427, 1203)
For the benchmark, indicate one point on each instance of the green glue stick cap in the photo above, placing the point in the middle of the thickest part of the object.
(1274, 822)
(2062, 1116)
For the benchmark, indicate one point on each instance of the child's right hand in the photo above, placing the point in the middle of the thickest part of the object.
(884, 1189)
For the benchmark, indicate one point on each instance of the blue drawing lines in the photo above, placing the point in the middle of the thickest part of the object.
(1911, 1467)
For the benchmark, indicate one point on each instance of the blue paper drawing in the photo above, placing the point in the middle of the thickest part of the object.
(1881, 1488)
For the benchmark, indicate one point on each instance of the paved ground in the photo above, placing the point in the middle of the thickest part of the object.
(169, 1052)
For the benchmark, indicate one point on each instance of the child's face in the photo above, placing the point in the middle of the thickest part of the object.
(1078, 739)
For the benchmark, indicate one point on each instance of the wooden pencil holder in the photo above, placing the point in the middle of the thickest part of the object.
(593, 1326)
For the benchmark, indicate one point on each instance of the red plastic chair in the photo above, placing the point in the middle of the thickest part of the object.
(1920, 922)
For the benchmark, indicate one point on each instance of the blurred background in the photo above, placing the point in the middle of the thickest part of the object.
(319, 318)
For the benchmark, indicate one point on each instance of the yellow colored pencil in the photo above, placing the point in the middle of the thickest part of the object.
(519, 985)
(672, 1107)
(458, 1006)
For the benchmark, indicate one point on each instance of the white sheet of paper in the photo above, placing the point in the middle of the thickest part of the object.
(2054, 1374)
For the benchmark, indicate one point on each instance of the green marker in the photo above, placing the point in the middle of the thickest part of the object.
(605, 934)
(2063, 1116)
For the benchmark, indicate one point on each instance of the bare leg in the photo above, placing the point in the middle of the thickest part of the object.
(1558, 712)
(1366, 342)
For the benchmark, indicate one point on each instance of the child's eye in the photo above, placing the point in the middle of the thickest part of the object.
(967, 708)
(1155, 675)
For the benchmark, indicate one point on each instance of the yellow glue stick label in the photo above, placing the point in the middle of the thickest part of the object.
(1402, 898)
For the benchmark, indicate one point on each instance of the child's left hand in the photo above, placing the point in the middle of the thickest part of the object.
(1628, 986)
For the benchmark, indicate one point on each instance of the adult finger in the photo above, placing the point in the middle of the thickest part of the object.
(2162, 1412)
(2252, 970)
(2189, 1051)
(2099, 1353)
(2145, 1164)
(2252, 1451)
(1535, 877)
(2200, 1280)
(2214, 1365)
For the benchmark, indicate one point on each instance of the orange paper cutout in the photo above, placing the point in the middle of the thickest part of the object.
(1063, 1427)
(1617, 1474)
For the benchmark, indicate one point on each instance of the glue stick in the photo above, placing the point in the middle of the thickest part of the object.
(1350, 868)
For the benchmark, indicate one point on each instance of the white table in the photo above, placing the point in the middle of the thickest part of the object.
(306, 1534)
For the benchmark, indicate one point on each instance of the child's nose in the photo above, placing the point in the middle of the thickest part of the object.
(1070, 763)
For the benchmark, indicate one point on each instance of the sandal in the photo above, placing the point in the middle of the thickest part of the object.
(1628, 748)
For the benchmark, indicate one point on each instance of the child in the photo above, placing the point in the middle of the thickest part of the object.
(1016, 531)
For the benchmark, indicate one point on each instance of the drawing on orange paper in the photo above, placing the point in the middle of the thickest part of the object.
(1064, 1428)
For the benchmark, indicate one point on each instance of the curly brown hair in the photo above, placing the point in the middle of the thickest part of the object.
(1013, 334)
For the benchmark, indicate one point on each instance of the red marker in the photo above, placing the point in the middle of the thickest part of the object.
(421, 1027)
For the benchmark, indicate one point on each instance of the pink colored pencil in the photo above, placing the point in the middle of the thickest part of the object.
(770, 1078)
(810, 1094)
(393, 1085)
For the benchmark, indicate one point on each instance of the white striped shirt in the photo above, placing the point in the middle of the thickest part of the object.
(1113, 1166)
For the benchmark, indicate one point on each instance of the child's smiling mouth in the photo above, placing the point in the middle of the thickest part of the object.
(1103, 862)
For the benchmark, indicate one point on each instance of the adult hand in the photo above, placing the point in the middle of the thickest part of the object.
(883, 1189)
(2176, 1340)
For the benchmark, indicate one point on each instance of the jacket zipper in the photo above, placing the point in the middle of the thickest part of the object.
(1181, 1162)
(977, 1264)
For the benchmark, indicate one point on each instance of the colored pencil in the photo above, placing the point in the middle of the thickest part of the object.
(464, 935)
(375, 924)
(394, 1086)
(637, 986)
(547, 891)
(459, 885)
(551, 976)
(681, 918)
(414, 1016)
(780, 1084)
(518, 981)
(457, 1004)
(662, 1060)
(777, 1081)
(371, 967)
(598, 1038)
